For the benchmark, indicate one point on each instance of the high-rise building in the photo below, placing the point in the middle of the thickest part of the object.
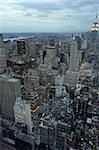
(72, 74)
(8, 47)
(47, 131)
(32, 81)
(1, 39)
(59, 85)
(3, 55)
(28, 117)
(52, 42)
(50, 58)
(93, 36)
(10, 89)
(74, 58)
(21, 47)
(19, 111)
(84, 45)
(24, 141)
(63, 132)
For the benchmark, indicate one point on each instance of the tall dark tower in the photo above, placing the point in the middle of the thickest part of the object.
(3, 55)
(94, 32)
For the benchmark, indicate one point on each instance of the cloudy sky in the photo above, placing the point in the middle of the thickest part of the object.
(47, 15)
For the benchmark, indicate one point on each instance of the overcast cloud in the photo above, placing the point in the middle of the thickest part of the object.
(47, 15)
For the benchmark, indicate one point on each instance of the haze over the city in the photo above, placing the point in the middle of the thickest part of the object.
(47, 15)
(49, 75)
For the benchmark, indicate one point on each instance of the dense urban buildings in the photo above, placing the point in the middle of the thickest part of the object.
(49, 91)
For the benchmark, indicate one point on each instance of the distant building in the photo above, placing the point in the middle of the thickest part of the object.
(50, 58)
(94, 36)
(52, 42)
(72, 74)
(59, 85)
(21, 47)
(74, 57)
(8, 47)
(3, 55)
(32, 81)
(33, 48)
(84, 45)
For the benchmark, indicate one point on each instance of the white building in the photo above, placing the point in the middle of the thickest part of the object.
(59, 85)
(19, 111)
(22, 113)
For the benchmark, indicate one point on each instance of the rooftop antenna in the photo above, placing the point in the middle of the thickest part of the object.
(97, 17)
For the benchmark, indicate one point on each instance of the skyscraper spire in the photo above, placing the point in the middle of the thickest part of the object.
(97, 17)
(94, 32)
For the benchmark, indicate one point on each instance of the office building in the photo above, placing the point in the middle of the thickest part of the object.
(19, 111)
(94, 37)
(3, 55)
(21, 47)
(47, 131)
(24, 142)
(10, 89)
(59, 85)
(72, 74)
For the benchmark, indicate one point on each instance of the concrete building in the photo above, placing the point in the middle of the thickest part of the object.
(85, 70)
(84, 45)
(24, 141)
(47, 131)
(19, 111)
(50, 58)
(94, 37)
(33, 47)
(31, 81)
(28, 117)
(74, 57)
(72, 74)
(43, 71)
(10, 89)
(59, 85)
(24, 112)
(63, 133)
(3, 55)
(21, 47)
(8, 47)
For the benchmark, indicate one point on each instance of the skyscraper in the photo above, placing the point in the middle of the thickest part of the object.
(93, 36)
(10, 89)
(74, 58)
(72, 74)
(3, 55)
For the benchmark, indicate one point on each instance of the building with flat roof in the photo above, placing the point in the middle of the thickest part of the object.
(3, 55)
(10, 89)
(72, 74)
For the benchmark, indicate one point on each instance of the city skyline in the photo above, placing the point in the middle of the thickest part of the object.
(47, 15)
